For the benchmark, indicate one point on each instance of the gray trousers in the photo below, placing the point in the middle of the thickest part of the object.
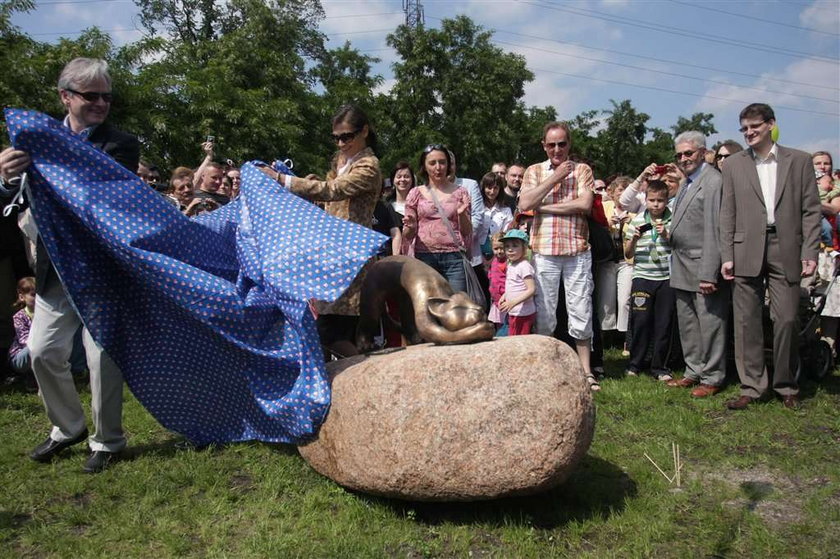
(702, 320)
(748, 303)
(50, 343)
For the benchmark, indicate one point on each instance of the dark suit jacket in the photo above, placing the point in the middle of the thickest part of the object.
(695, 233)
(743, 216)
(125, 149)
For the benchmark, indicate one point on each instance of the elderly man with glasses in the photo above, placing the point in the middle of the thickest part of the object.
(702, 298)
(85, 90)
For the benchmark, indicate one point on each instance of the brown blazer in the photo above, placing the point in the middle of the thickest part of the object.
(743, 216)
(352, 196)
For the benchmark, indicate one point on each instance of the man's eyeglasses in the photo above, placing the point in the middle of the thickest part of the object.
(92, 96)
(687, 153)
(556, 145)
(750, 127)
(721, 156)
(346, 137)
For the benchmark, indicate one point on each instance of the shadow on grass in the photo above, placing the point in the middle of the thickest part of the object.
(597, 489)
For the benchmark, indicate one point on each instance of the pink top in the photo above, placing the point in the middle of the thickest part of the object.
(432, 233)
(515, 284)
(497, 276)
(22, 323)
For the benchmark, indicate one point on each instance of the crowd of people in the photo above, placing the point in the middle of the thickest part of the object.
(683, 256)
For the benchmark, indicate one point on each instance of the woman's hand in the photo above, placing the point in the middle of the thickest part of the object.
(268, 171)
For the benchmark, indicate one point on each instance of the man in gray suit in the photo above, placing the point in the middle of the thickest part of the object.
(702, 298)
(769, 228)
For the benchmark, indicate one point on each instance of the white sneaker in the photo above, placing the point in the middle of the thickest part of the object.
(630, 373)
(664, 377)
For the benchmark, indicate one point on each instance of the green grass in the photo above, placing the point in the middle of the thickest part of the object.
(759, 483)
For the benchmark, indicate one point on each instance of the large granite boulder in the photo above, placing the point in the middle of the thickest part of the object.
(511, 416)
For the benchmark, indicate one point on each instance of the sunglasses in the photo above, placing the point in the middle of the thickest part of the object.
(720, 156)
(750, 127)
(434, 147)
(687, 153)
(346, 137)
(92, 96)
(555, 145)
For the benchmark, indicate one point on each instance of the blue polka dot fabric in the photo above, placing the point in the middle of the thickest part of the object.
(207, 318)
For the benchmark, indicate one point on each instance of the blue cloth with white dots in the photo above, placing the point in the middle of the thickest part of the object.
(207, 318)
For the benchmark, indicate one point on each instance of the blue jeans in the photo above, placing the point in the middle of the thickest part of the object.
(826, 233)
(448, 264)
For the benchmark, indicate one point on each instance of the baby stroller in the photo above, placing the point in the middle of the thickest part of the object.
(816, 356)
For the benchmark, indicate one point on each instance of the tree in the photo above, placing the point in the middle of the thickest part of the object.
(701, 122)
(236, 70)
(454, 86)
(621, 143)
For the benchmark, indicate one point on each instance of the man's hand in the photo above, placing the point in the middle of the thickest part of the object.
(727, 270)
(562, 171)
(13, 162)
(207, 148)
(808, 268)
(707, 288)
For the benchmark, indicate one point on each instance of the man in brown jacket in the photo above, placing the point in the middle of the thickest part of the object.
(769, 229)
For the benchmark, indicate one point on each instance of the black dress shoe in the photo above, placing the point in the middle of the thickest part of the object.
(99, 460)
(45, 451)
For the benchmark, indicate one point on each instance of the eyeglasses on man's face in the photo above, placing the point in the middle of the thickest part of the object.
(555, 145)
(93, 96)
(750, 127)
(687, 153)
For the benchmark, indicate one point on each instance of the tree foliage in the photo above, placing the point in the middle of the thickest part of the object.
(256, 75)
(453, 85)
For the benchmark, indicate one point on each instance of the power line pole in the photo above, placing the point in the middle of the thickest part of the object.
(413, 13)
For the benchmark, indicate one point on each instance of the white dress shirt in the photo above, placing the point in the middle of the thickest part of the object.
(767, 169)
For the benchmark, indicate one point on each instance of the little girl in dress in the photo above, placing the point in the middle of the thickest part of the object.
(497, 275)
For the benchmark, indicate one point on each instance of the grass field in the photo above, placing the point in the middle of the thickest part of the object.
(759, 483)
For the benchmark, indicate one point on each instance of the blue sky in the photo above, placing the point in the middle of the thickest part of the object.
(669, 57)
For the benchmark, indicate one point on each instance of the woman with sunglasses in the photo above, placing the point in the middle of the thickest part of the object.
(433, 238)
(724, 150)
(350, 192)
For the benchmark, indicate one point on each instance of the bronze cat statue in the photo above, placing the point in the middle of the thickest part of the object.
(428, 308)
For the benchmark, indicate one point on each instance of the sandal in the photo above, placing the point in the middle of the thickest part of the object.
(594, 385)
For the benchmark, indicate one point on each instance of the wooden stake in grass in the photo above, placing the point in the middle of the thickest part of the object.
(675, 454)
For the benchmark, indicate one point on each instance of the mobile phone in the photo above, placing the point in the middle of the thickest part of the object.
(211, 138)
(661, 169)
(645, 227)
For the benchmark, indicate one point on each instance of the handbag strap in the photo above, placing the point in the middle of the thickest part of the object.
(445, 219)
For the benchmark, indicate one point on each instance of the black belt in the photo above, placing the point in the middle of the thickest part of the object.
(771, 229)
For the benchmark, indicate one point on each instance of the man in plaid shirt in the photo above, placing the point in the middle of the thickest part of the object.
(561, 194)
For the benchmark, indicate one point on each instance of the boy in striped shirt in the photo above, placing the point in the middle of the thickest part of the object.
(652, 299)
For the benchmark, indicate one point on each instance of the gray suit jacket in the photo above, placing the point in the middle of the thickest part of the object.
(743, 216)
(695, 233)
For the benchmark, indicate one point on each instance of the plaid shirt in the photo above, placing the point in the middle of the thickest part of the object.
(559, 235)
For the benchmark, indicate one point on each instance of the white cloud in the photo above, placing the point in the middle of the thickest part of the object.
(823, 144)
(807, 71)
(823, 16)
